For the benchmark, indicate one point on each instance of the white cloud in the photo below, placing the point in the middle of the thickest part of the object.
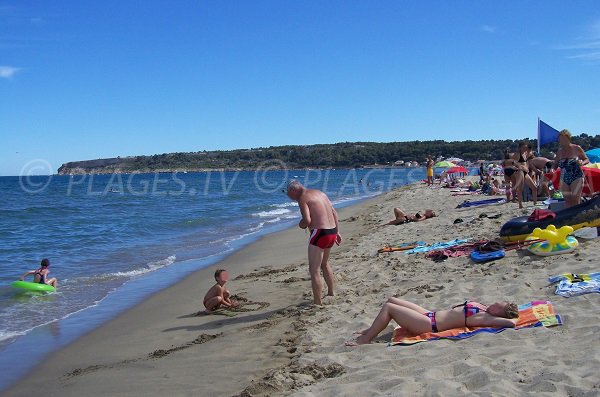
(489, 29)
(7, 72)
(581, 45)
(590, 56)
(586, 46)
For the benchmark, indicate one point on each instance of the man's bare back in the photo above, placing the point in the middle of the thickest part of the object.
(540, 163)
(316, 210)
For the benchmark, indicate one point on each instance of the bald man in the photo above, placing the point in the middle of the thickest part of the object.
(319, 216)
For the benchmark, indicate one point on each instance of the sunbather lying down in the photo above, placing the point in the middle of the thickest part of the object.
(402, 217)
(418, 320)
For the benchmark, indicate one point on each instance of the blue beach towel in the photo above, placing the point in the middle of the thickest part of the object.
(436, 246)
(468, 204)
(570, 284)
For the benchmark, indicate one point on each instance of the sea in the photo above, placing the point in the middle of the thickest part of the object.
(113, 240)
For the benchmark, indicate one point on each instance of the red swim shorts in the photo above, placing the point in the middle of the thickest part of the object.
(323, 238)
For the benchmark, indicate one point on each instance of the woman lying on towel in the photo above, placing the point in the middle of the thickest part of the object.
(418, 320)
(403, 217)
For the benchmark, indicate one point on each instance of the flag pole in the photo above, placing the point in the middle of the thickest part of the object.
(538, 138)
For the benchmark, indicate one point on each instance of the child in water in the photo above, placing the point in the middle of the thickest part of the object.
(218, 295)
(41, 275)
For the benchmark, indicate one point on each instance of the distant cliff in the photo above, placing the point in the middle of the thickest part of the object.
(338, 155)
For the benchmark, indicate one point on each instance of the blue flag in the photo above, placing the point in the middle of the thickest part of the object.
(546, 134)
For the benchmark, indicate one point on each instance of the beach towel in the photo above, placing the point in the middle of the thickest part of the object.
(436, 246)
(570, 284)
(532, 314)
(493, 201)
(541, 214)
(402, 247)
(464, 194)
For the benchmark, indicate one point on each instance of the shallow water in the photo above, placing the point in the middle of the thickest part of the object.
(104, 234)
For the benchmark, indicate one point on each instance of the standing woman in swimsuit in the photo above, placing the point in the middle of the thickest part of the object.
(570, 158)
(418, 320)
(512, 178)
(521, 157)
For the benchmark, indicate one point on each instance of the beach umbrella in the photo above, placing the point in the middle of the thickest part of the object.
(444, 164)
(458, 169)
(593, 155)
(592, 165)
(455, 160)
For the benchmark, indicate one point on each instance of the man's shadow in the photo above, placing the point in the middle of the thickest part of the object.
(217, 324)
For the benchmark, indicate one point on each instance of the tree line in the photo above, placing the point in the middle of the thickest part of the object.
(338, 155)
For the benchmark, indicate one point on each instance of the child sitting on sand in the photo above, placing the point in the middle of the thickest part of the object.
(217, 295)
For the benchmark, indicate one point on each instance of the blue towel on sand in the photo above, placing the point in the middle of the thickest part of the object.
(436, 246)
(576, 284)
(481, 202)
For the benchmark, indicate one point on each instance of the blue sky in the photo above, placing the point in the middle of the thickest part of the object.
(90, 79)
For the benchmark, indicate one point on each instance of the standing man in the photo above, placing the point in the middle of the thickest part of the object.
(321, 218)
(429, 165)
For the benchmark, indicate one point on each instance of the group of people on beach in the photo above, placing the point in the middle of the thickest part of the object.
(524, 168)
(319, 216)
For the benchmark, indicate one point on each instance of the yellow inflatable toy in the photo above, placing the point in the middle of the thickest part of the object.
(556, 241)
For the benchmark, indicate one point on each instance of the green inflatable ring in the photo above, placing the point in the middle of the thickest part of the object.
(26, 285)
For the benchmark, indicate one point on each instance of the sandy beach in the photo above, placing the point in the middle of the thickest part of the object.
(281, 344)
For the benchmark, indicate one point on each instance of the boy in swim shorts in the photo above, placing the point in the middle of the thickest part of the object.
(218, 296)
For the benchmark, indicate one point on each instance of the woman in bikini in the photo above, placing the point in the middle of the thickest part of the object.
(418, 320)
(402, 217)
(520, 158)
(570, 158)
(512, 179)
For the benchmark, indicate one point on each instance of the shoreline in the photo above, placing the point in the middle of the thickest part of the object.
(199, 281)
(292, 347)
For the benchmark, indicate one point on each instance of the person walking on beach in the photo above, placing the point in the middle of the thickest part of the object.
(482, 173)
(429, 165)
(218, 295)
(41, 275)
(319, 216)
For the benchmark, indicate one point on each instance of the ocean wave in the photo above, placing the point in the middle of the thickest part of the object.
(150, 267)
(285, 205)
(272, 213)
(262, 224)
(4, 335)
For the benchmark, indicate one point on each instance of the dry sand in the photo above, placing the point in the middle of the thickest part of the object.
(284, 345)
